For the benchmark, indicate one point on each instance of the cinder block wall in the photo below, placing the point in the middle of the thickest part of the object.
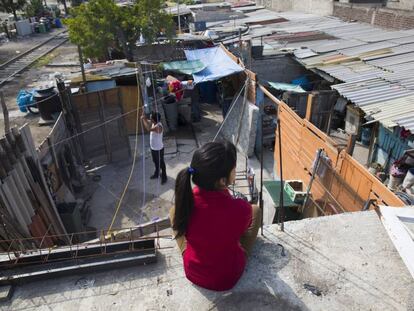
(319, 7)
(382, 17)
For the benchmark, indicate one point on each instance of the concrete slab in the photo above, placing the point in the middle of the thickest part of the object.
(145, 198)
(348, 258)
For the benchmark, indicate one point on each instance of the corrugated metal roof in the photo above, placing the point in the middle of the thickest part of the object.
(353, 71)
(335, 45)
(406, 122)
(366, 48)
(387, 35)
(372, 91)
(392, 107)
(392, 60)
(304, 53)
(392, 112)
(399, 67)
(404, 40)
(375, 64)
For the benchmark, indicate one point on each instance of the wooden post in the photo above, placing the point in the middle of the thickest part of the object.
(82, 67)
(102, 103)
(5, 113)
(372, 143)
(122, 122)
(350, 146)
(309, 104)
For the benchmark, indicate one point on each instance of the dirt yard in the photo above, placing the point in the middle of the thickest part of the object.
(39, 74)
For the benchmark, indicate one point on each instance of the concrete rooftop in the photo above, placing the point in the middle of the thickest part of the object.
(348, 257)
(103, 195)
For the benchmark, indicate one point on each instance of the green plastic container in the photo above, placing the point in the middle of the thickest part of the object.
(42, 28)
(295, 190)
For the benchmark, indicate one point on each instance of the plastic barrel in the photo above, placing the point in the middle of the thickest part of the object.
(58, 23)
(171, 114)
(409, 179)
(42, 28)
(394, 182)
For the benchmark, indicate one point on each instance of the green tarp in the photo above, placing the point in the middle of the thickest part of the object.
(186, 66)
(286, 87)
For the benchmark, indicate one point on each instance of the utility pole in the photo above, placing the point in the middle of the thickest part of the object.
(5, 113)
(240, 45)
(178, 15)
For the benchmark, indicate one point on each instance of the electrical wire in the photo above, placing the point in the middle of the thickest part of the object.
(119, 116)
(159, 151)
(133, 162)
(97, 126)
(229, 111)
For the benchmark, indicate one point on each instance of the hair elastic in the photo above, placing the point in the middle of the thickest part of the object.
(191, 170)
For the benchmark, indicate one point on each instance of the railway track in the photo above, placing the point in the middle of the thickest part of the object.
(18, 64)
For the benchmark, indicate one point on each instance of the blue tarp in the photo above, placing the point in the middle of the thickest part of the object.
(218, 64)
(25, 99)
(286, 87)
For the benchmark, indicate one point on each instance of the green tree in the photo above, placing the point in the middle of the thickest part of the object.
(101, 24)
(12, 6)
(34, 8)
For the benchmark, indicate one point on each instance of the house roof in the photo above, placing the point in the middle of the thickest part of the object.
(371, 65)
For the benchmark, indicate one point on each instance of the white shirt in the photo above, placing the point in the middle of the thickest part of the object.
(156, 139)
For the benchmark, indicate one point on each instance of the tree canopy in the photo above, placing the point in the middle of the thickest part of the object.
(11, 6)
(101, 24)
(35, 8)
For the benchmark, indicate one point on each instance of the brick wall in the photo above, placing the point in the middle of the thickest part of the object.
(383, 17)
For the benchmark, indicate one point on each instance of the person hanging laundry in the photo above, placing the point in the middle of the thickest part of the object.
(154, 126)
(215, 232)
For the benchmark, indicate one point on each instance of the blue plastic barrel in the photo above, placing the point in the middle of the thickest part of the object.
(58, 23)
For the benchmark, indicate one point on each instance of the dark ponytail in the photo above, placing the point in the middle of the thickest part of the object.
(184, 202)
(210, 163)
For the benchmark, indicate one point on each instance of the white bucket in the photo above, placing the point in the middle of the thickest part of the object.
(409, 179)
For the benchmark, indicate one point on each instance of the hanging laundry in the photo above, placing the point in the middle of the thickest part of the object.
(175, 87)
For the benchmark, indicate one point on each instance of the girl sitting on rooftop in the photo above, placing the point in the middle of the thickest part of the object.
(214, 231)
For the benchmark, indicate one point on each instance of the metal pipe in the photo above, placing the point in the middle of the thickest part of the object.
(261, 205)
(313, 174)
(281, 219)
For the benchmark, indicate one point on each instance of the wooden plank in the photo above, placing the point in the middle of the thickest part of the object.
(55, 217)
(102, 103)
(386, 195)
(21, 217)
(122, 121)
(129, 97)
(8, 209)
(20, 186)
(309, 105)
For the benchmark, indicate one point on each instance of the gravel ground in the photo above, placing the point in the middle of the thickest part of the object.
(14, 47)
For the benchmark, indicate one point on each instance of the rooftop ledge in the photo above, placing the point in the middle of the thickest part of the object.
(347, 262)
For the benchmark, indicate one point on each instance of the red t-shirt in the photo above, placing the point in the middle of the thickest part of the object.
(214, 258)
